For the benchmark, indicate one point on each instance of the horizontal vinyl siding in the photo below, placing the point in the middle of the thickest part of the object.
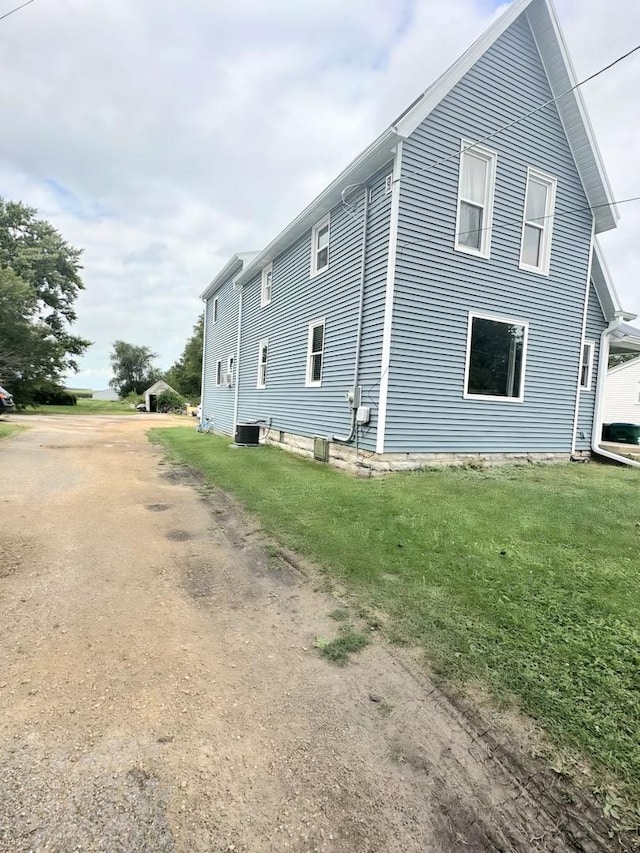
(217, 401)
(622, 388)
(596, 324)
(297, 300)
(436, 287)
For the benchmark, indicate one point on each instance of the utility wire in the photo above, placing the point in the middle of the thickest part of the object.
(17, 9)
(525, 116)
(521, 220)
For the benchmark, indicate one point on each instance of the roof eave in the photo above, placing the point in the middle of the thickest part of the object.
(359, 170)
(228, 270)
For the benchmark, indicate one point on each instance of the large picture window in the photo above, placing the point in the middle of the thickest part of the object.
(475, 200)
(496, 356)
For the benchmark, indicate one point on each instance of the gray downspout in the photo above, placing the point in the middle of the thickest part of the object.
(236, 378)
(596, 432)
(347, 439)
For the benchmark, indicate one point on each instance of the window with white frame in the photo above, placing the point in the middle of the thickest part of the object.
(475, 199)
(267, 283)
(218, 373)
(586, 366)
(537, 227)
(320, 246)
(263, 356)
(230, 365)
(214, 309)
(315, 353)
(496, 356)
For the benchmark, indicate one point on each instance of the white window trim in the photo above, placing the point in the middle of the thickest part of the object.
(263, 286)
(309, 382)
(547, 230)
(487, 221)
(218, 373)
(592, 348)
(314, 246)
(214, 310)
(230, 369)
(498, 319)
(263, 343)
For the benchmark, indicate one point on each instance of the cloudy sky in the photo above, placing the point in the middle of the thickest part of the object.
(163, 136)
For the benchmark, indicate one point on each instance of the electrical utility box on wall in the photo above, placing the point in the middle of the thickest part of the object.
(363, 415)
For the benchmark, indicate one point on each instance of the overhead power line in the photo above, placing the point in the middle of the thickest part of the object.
(17, 9)
(520, 220)
(522, 118)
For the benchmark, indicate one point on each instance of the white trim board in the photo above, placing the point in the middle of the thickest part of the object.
(385, 362)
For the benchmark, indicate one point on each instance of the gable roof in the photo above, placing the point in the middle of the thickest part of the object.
(552, 48)
(160, 385)
(553, 52)
(231, 268)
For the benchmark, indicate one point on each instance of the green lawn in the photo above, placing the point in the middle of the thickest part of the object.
(83, 407)
(7, 429)
(527, 578)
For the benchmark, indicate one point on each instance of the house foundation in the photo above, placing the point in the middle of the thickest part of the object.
(365, 463)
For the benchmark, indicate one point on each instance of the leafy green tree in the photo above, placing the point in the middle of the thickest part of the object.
(133, 368)
(620, 358)
(39, 284)
(186, 374)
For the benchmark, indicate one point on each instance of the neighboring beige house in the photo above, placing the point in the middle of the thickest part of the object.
(622, 394)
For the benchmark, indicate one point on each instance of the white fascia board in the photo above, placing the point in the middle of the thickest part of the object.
(233, 266)
(359, 170)
(422, 107)
(604, 287)
(572, 110)
(554, 55)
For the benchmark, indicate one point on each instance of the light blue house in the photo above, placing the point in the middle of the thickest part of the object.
(445, 297)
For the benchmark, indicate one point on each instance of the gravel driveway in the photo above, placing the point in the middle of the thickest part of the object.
(159, 689)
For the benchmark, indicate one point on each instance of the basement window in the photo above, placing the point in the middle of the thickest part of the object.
(496, 357)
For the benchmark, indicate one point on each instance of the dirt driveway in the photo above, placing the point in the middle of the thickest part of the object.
(159, 689)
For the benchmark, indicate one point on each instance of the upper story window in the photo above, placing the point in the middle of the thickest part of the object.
(537, 227)
(263, 356)
(496, 356)
(586, 366)
(475, 200)
(315, 353)
(266, 287)
(320, 246)
(214, 309)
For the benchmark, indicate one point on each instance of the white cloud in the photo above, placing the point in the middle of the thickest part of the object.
(164, 136)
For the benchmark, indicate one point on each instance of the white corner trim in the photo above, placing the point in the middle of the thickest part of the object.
(236, 397)
(204, 358)
(388, 301)
(585, 309)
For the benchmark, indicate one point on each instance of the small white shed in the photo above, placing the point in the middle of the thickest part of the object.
(151, 394)
(622, 393)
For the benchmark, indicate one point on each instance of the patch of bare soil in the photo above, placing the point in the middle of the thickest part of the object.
(160, 692)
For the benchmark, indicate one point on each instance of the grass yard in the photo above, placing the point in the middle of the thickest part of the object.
(83, 407)
(7, 429)
(527, 578)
